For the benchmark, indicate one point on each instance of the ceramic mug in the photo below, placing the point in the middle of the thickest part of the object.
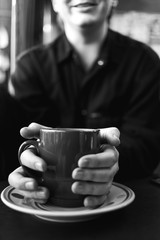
(61, 149)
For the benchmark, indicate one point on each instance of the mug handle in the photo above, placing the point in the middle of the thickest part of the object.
(28, 171)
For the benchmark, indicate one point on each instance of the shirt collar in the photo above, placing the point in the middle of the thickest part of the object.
(64, 48)
(112, 49)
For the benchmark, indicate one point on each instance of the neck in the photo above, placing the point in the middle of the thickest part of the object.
(87, 42)
(88, 35)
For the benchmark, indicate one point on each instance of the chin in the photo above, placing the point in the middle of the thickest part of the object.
(85, 22)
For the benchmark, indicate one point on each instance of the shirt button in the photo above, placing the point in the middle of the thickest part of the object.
(95, 115)
(100, 62)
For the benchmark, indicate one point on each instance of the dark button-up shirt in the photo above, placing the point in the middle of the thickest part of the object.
(121, 90)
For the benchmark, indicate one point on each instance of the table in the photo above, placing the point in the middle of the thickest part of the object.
(138, 221)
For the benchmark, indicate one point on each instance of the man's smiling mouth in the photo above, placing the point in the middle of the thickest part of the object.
(84, 4)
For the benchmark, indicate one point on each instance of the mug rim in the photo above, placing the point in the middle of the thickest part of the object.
(69, 130)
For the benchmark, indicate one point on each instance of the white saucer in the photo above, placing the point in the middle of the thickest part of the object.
(120, 196)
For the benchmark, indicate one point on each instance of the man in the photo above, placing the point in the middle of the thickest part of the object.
(91, 77)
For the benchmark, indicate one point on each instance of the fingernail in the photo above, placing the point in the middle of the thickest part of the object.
(38, 166)
(83, 162)
(88, 202)
(116, 138)
(29, 185)
(78, 174)
(80, 187)
(41, 194)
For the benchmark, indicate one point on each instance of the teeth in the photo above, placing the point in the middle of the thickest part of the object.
(84, 4)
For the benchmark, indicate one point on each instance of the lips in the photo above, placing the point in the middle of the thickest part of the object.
(83, 3)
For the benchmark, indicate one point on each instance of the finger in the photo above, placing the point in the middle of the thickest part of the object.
(107, 158)
(27, 186)
(29, 159)
(92, 202)
(32, 131)
(18, 180)
(110, 135)
(40, 195)
(95, 175)
(90, 188)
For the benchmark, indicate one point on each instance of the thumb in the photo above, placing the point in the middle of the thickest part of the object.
(110, 135)
(32, 131)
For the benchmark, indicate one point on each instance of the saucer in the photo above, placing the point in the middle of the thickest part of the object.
(119, 197)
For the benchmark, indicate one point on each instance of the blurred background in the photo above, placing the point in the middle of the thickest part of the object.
(24, 23)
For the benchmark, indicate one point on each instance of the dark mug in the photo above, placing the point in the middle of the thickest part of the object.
(61, 149)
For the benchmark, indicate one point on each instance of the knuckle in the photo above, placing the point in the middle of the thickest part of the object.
(32, 125)
(109, 177)
(10, 178)
(113, 172)
(115, 131)
(115, 155)
(117, 168)
(108, 188)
